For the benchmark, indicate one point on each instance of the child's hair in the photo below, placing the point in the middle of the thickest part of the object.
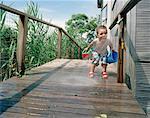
(101, 27)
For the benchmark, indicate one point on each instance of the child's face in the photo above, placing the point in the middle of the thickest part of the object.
(102, 34)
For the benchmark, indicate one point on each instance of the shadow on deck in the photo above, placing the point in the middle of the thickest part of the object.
(62, 89)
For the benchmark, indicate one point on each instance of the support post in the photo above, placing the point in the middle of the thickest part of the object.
(21, 44)
(72, 53)
(59, 43)
(120, 50)
(79, 53)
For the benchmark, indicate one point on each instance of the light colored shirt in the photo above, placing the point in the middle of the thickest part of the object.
(100, 46)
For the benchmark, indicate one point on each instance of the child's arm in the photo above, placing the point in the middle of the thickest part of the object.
(89, 46)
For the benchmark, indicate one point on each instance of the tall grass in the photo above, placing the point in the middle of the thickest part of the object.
(41, 42)
(8, 39)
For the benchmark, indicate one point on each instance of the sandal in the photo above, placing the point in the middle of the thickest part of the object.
(91, 74)
(104, 75)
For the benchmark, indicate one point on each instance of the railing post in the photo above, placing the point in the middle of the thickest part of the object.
(59, 43)
(120, 51)
(79, 53)
(21, 44)
(72, 53)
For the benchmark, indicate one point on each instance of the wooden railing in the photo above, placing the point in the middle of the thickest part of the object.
(22, 35)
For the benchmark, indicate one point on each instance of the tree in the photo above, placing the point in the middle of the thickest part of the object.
(79, 25)
(91, 26)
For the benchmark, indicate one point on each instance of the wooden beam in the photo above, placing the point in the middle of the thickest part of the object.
(114, 23)
(72, 52)
(79, 53)
(120, 77)
(126, 8)
(71, 38)
(99, 3)
(21, 44)
(59, 43)
(9, 9)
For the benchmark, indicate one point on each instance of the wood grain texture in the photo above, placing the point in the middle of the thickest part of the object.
(62, 89)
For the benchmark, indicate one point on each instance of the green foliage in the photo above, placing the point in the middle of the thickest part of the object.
(80, 24)
(2, 18)
(40, 42)
(8, 41)
(77, 23)
(66, 47)
(8, 52)
(91, 26)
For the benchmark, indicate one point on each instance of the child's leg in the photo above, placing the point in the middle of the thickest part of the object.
(104, 64)
(94, 63)
(104, 67)
(92, 67)
(91, 71)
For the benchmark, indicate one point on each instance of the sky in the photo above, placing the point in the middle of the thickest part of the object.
(59, 11)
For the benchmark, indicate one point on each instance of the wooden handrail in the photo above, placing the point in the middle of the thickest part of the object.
(17, 12)
(23, 31)
(59, 43)
(12, 10)
(71, 38)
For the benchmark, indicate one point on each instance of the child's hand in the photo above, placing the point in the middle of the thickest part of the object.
(85, 49)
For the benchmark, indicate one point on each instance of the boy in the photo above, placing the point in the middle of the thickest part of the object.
(100, 45)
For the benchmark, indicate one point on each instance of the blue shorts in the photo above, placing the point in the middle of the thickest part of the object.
(97, 57)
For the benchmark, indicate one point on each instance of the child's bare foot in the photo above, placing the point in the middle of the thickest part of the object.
(91, 74)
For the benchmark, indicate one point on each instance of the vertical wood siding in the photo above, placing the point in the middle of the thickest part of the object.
(129, 38)
(117, 7)
(137, 42)
(143, 52)
(143, 27)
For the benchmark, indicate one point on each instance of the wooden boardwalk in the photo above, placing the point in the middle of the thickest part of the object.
(61, 89)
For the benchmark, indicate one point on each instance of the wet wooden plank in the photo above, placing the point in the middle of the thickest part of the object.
(61, 89)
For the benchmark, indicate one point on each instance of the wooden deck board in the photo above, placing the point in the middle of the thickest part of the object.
(61, 89)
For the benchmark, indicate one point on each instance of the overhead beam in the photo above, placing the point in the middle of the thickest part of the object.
(99, 3)
(126, 8)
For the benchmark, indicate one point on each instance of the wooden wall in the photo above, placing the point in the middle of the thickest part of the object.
(130, 44)
(137, 53)
(117, 5)
(143, 52)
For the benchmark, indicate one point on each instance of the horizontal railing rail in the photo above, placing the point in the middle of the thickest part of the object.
(22, 35)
